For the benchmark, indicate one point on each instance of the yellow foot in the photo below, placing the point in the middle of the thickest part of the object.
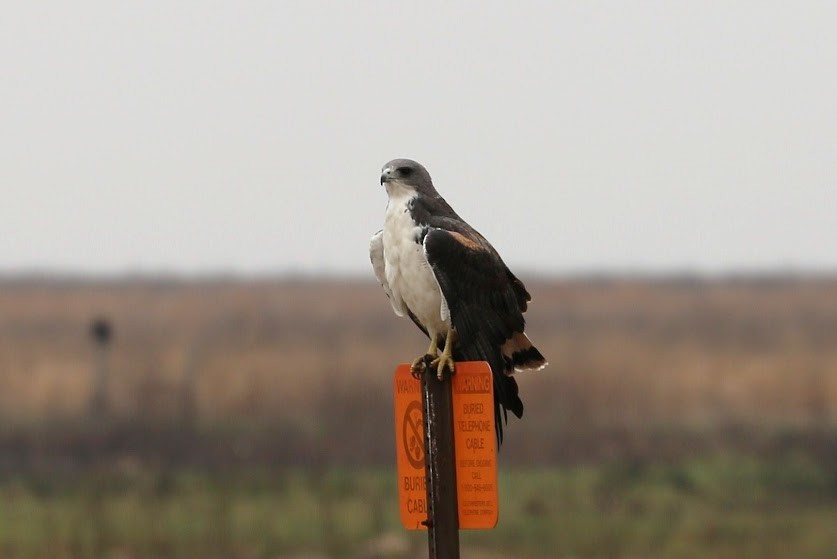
(441, 363)
(419, 366)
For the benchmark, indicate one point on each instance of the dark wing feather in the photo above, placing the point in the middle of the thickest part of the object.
(486, 303)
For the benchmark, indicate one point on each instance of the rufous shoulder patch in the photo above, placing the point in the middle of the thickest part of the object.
(465, 241)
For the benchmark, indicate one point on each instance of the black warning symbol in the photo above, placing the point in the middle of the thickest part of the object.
(412, 435)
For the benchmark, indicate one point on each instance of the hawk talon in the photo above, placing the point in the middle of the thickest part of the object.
(441, 363)
(419, 366)
(445, 360)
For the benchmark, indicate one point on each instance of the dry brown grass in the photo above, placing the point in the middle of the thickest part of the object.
(627, 356)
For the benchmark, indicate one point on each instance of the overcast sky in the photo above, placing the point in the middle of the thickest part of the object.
(248, 137)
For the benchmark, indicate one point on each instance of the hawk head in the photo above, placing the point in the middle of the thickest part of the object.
(407, 176)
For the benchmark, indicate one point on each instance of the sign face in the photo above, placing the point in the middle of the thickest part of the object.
(474, 439)
(409, 449)
(476, 445)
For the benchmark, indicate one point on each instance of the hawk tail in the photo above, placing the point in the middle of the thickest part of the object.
(520, 355)
(506, 399)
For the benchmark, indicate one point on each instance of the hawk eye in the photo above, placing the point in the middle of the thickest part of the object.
(405, 171)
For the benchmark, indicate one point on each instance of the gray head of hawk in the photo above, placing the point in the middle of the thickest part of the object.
(408, 175)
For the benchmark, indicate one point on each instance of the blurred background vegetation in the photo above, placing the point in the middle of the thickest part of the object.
(679, 417)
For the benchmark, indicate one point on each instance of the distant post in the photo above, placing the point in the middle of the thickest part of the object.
(101, 332)
(189, 382)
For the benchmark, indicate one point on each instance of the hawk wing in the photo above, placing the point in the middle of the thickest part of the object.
(486, 303)
(376, 255)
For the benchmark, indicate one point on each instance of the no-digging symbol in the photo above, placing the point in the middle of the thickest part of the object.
(413, 435)
(474, 439)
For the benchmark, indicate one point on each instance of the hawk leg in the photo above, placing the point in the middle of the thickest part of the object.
(419, 365)
(445, 361)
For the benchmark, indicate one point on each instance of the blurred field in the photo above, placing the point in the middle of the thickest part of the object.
(678, 418)
(723, 508)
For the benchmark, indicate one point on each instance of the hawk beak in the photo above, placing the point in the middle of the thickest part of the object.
(386, 175)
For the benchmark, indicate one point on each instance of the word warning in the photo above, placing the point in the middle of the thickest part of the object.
(474, 440)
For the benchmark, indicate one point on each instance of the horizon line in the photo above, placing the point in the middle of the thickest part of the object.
(49, 275)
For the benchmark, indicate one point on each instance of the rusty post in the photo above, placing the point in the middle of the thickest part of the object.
(442, 515)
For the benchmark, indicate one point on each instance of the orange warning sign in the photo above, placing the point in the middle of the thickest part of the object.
(475, 446)
(409, 445)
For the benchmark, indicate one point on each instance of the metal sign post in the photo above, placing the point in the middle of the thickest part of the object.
(442, 517)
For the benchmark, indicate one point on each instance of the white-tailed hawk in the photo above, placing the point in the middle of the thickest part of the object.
(449, 280)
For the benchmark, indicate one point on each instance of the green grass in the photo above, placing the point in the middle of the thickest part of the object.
(708, 508)
(719, 507)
